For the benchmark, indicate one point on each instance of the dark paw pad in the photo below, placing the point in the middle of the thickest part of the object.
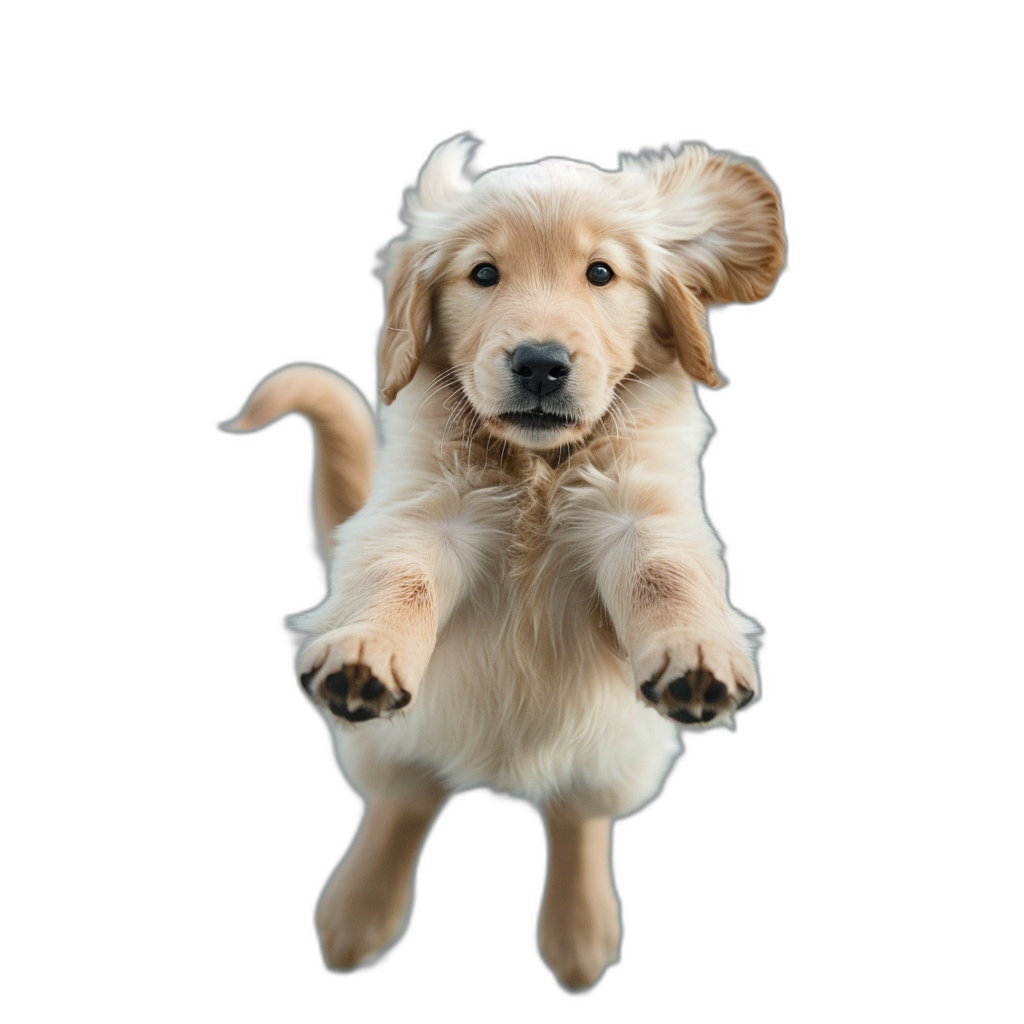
(697, 697)
(355, 694)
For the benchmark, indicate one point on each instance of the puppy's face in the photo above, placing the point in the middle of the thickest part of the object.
(541, 308)
(537, 289)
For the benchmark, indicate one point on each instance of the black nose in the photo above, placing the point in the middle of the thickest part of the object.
(541, 368)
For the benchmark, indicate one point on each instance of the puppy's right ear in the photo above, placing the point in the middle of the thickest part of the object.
(408, 320)
(442, 181)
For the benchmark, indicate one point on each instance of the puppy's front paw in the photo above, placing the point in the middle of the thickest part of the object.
(697, 683)
(355, 673)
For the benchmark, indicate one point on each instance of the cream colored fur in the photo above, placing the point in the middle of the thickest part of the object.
(511, 589)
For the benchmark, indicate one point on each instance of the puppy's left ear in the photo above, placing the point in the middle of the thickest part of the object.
(443, 180)
(718, 228)
(408, 319)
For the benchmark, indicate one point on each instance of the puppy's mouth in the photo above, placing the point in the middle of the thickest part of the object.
(538, 420)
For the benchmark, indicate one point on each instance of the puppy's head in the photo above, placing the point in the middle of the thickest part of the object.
(539, 288)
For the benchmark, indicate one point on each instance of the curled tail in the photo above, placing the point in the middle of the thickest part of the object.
(344, 432)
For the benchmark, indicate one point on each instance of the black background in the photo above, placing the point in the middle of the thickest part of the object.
(730, 880)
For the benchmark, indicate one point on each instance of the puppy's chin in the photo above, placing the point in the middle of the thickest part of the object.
(544, 432)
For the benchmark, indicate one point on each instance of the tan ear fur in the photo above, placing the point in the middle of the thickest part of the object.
(718, 227)
(739, 257)
(721, 220)
(442, 181)
(685, 321)
(408, 321)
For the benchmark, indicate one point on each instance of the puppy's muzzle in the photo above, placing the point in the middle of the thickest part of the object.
(541, 368)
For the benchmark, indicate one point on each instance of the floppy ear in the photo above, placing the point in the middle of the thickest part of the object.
(407, 323)
(718, 228)
(687, 331)
(441, 182)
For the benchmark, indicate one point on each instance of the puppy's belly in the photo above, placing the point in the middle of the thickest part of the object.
(531, 717)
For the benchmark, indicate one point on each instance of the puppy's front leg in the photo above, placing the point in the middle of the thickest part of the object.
(663, 583)
(397, 577)
(370, 666)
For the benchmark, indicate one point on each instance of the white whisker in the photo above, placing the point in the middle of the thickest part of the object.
(646, 384)
(451, 416)
(443, 380)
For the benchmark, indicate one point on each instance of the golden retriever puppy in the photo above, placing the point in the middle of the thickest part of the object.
(525, 593)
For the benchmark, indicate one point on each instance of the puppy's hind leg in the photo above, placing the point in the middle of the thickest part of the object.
(365, 905)
(579, 929)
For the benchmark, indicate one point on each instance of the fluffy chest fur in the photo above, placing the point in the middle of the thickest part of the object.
(527, 688)
(530, 530)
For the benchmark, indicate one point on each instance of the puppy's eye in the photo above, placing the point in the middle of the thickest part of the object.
(485, 275)
(599, 273)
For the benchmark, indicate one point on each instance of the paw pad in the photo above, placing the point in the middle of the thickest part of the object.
(355, 694)
(696, 697)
